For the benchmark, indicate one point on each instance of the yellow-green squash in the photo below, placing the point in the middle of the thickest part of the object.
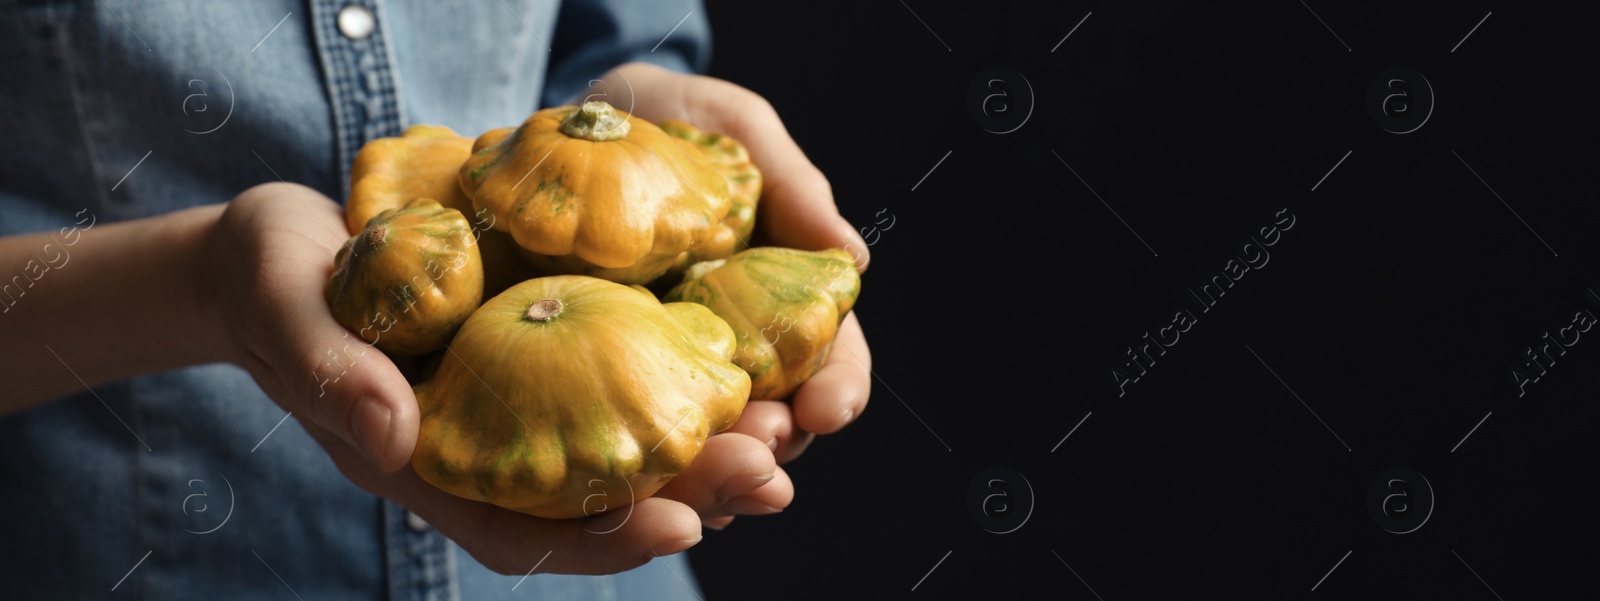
(730, 158)
(424, 163)
(784, 305)
(592, 190)
(568, 395)
(407, 280)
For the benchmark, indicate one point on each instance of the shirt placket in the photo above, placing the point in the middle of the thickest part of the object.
(359, 73)
(360, 78)
(419, 559)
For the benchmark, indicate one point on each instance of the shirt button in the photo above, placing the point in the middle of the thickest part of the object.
(356, 21)
(415, 522)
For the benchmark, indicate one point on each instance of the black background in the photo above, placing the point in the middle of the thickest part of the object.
(1006, 292)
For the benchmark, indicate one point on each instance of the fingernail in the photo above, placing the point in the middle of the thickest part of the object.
(715, 527)
(744, 506)
(772, 443)
(369, 425)
(741, 485)
(849, 414)
(677, 546)
(858, 249)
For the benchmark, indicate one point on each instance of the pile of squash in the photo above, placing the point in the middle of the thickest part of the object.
(583, 290)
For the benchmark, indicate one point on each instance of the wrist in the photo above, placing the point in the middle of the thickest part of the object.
(192, 239)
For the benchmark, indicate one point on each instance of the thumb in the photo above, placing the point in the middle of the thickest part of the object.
(342, 383)
(797, 208)
(798, 211)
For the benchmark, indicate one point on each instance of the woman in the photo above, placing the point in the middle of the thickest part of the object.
(147, 320)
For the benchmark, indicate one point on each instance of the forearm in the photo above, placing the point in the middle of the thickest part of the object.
(104, 303)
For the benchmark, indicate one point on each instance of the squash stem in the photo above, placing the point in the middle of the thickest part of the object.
(544, 310)
(596, 121)
(374, 237)
(367, 241)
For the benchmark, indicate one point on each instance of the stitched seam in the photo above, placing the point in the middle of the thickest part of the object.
(138, 485)
(452, 576)
(392, 68)
(320, 27)
(77, 108)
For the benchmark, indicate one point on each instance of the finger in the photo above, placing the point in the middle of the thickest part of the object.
(837, 393)
(508, 542)
(798, 443)
(797, 208)
(773, 422)
(770, 498)
(717, 523)
(347, 386)
(730, 465)
(334, 377)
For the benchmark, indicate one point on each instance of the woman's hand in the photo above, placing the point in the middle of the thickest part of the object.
(796, 211)
(270, 254)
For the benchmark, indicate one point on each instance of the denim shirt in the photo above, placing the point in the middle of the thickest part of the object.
(192, 483)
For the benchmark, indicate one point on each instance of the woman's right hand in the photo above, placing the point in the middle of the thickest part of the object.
(269, 256)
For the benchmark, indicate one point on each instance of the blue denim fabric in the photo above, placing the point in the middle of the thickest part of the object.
(191, 483)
